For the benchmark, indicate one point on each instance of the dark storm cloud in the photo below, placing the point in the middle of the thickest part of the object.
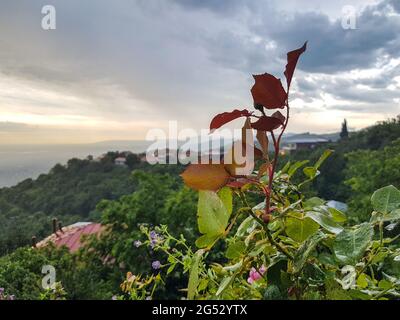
(155, 60)
(365, 91)
(222, 7)
(395, 5)
(331, 48)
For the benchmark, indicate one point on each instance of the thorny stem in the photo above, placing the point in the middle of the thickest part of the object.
(275, 161)
(265, 226)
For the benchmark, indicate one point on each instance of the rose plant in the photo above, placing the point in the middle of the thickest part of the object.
(286, 246)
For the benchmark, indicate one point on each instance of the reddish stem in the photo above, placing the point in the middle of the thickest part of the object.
(275, 161)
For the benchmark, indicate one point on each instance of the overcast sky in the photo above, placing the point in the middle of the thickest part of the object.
(115, 69)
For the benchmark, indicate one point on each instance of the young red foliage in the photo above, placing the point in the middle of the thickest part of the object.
(263, 141)
(279, 115)
(268, 91)
(292, 58)
(266, 123)
(205, 176)
(239, 183)
(220, 119)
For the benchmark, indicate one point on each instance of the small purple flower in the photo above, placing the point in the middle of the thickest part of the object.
(153, 235)
(1, 291)
(148, 298)
(262, 269)
(137, 243)
(156, 265)
(153, 243)
(114, 297)
(12, 297)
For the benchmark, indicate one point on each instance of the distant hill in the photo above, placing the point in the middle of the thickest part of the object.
(19, 162)
(307, 136)
(69, 192)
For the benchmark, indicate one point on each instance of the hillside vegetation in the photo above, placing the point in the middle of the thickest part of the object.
(154, 195)
(365, 161)
(68, 192)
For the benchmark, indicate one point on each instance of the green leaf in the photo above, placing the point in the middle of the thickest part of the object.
(225, 194)
(358, 295)
(391, 216)
(213, 212)
(385, 284)
(306, 249)
(272, 292)
(326, 258)
(224, 284)
(286, 167)
(334, 292)
(274, 271)
(206, 241)
(244, 226)
(234, 267)
(260, 206)
(322, 158)
(386, 199)
(258, 248)
(171, 268)
(311, 172)
(313, 202)
(235, 250)
(297, 165)
(194, 275)
(325, 221)
(350, 244)
(202, 285)
(380, 256)
(337, 215)
(300, 228)
(362, 281)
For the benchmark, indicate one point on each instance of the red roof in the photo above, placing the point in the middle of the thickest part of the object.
(71, 235)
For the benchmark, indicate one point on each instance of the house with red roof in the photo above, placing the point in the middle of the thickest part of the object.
(71, 235)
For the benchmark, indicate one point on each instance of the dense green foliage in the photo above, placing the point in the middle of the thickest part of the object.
(369, 170)
(343, 164)
(97, 273)
(306, 250)
(154, 195)
(159, 199)
(69, 193)
(82, 275)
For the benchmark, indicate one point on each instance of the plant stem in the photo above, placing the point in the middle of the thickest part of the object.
(381, 294)
(275, 161)
(265, 226)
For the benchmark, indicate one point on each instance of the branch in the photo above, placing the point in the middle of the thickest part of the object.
(265, 227)
(275, 161)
